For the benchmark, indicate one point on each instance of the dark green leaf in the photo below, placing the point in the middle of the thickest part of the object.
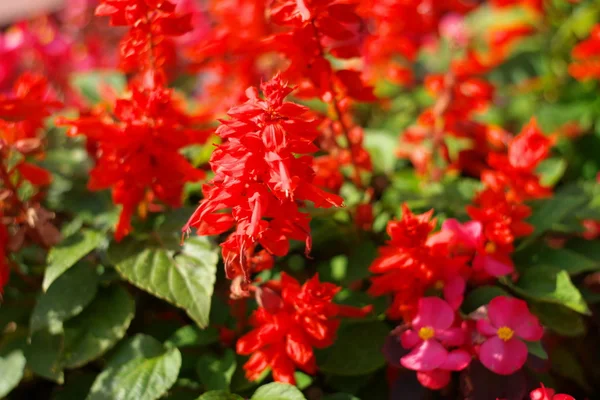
(553, 286)
(278, 391)
(68, 252)
(219, 395)
(184, 278)
(44, 355)
(481, 296)
(191, 335)
(216, 372)
(537, 349)
(559, 318)
(101, 325)
(65, 298)
(357, 350)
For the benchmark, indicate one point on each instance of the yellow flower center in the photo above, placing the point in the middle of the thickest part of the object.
(426, 332)
(490, 247)
(439, 285)
(505, 333)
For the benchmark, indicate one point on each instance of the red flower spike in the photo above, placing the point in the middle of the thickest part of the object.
(137, 151)
(291, 320)
(260, 183)
(586, 64)
(544, 393)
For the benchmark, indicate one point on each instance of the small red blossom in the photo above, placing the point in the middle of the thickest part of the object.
(292, 320)
(544, 393)
(508, 323)
(586, 55)
(515, 171)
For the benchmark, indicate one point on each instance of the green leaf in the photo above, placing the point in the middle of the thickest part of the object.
(563, 258)
(559, 318)
(537, 349)
(216, 372)
(12, 366)
(44, 355)
(191, 335)
(357, 350)
(481, 296)
(302, 380)
(381, 145)
(142, 369)
(565, 363)
(184, 277)
(77, 386)
(68, 252)
(101, 325)
(219, 395)
(340, 396)
(278, 391)
(90, 83)
(65, 298)
(553, 286)
(551, 171)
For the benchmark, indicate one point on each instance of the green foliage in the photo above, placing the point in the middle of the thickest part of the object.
(184, 278)
(277, 391)
(142, 368)
(12, 366)
(357, 350)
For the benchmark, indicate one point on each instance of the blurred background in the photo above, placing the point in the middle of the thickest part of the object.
(11, 11)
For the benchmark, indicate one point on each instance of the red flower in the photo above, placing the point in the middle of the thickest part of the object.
(586, 64)
(137, 151)
(509, 322)
(260, 184)
(516, 170)
(290, 322)
(146, 47)
(544, 393)
(410, 263)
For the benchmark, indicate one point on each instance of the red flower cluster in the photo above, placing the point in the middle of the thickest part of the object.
(137, 151)
(290, 322)
(260, 183)
(147, 46)
(403, 28)
(587, 57)
(544, 393)
(412, 262)
(22, 219)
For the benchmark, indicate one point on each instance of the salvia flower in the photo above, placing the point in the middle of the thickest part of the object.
(433, 332)
(586, 64)
(292, 320)
(262, 179)
(544, 393)
(509, 322)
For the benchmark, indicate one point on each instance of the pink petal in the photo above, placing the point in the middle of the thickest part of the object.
(433, 312)
(426, 357)
(454, 290)
(457, 360)
(501, 311)
(561, 396)
(434, 380)
(469, 233)
(503, 358)
(486, 328)
(525, 324)
(492, 266)
(410, 339)
(451, 337)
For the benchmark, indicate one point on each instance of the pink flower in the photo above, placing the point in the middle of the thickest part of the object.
(543, 393)
(509, 321)
(431, 334)
(470, 237)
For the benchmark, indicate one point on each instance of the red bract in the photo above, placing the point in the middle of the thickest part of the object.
(410, 263)
(433, 332)
(147, 46)
(586, 55)
(137, 151)
(515, 171)
(290, 322)
(509, 322)
(260, 183)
